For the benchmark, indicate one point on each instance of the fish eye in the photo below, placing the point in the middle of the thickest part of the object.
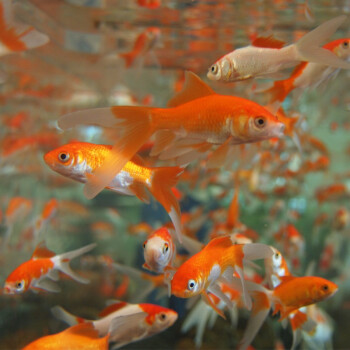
(19, 285)
(214, 68)
(260, 122)
(325, 287)
(191, 284)
(345, 44)
(63, 157)
(144, 244)
(165, 248)
(162, 316)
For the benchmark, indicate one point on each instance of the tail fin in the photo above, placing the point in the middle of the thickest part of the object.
(255, 251)
(162, 182)
(62, 262)
(308, 47)
(16, 36)
(61, 314)
(134, 126)
(128, 57)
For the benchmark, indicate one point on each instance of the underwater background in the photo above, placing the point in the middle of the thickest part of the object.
(306, 185)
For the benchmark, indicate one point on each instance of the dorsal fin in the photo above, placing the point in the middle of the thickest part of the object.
(42, 252)
(138, 160)
(268, 42)
(224, 242)
(193, 88)
(112, 308)
(286, 278)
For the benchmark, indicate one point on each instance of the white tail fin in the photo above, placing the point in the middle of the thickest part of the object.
(61, 314)
(62, 262)
(308, 47)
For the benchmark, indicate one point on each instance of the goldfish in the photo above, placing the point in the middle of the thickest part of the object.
(218, 258)
(80, 336)
(197, 119)
(43, 266)
(290, 295)
(16, 37)
(124, 322)
(78, 160)
(143, 44)
(308, 74)
(267, 55)
(159, 251)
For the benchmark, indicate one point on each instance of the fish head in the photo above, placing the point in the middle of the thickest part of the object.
(341, 47)
(17, 282)
(221, 70)
(322, 289)
(187, 282)
(158, 253)
(163, 319)
(255, 123)
(69, 160)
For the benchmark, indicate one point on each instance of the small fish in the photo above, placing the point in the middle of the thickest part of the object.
(15, 36)
(308, 74)
(143, 44)
(197, 119)
(81, 336)
(290, 295)
(219, 258)
(126, 323)
(267, 55)
(78, 160)
(159, 251)
(43, 264)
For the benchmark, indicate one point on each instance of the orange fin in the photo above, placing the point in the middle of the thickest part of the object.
(147, 267)
(42, 252)
(86, 330)
(163, 139)
(297, 319)
(219, 156)
(268, 42)
(210, 302)
(223, 242)
(112, 308)
(193, 88)
(128, 57)
(140, 191)
(161, 188)
(233, 212)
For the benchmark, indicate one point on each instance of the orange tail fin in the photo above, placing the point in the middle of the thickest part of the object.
(161, 187)
(128, 57)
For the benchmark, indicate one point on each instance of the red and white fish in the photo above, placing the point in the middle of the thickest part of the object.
(79, 160)
(267, 55)
(16, 37)
(43, 268)
(124, 322)
(197, 119)
(159, 251)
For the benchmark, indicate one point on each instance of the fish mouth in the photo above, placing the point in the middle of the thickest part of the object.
(279, 131)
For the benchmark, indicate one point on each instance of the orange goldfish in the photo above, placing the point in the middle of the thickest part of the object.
(291, 294)
(14, 36)
(144, 43)
(78, 160)
(125, 323)
(267, 55)
(159, 251)
(43, 264)
(308, 74)
(197, 119)
(78, 337)
(218, 258)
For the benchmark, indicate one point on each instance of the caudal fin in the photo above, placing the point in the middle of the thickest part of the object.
(162, 182)
(62, 262)
(308, 47)
(134, 128)
(61, 314)
(17, 36)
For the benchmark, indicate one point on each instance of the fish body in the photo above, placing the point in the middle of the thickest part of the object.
(43, 264)
(267, 55)
(81, 336)
(78, 161)
(16, 37)
(197, 119)
(159, 251)
(134, 321)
